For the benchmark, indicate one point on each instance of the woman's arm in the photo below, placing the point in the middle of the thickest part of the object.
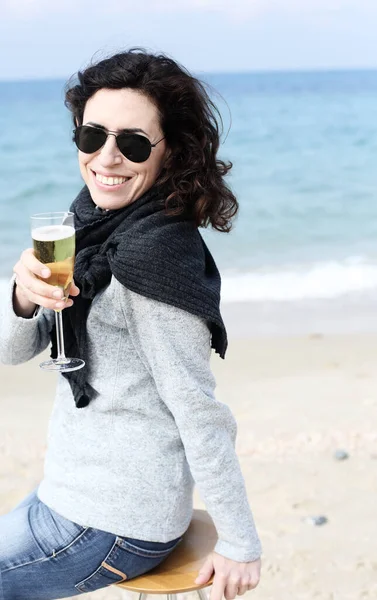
(22, 338)
(175, 347)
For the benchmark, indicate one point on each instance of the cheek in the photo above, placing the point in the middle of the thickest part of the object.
(155, 165)
(147, 171)
(83, 161)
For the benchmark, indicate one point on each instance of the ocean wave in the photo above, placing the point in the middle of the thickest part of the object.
(322, 280)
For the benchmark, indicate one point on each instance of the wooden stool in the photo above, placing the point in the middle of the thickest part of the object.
(178, 572)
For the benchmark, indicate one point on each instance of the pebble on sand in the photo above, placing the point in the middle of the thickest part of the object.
(341, 454)
(316, 520)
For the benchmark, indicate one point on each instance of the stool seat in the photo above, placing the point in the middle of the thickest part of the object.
(178, 572)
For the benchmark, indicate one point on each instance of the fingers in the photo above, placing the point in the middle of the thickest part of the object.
(74, 290)
(30, 261)
(233, 578)
(253, 583)
(244, 586)
(218, 586)
(50, 303)
(231, 588)
(30, 282)
(238, 587)
(28, 271)
(205, 572)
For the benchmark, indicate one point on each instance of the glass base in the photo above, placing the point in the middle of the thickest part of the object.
(63, 365)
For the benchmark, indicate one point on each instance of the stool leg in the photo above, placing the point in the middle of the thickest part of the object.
(202, 595)
(142, 596)
(172, 596)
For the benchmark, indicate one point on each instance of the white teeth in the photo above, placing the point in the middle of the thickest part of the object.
(111, 180)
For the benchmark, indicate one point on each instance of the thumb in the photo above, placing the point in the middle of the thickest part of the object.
(74, 290)
(205, 572)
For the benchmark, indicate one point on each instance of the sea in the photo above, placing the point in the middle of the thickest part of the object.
(304, 152)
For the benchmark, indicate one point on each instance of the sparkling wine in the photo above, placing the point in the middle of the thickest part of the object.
(54, 245)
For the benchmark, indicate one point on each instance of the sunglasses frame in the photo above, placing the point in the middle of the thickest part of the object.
(116, 135)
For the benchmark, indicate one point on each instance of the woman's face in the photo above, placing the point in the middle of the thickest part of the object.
(116, 110)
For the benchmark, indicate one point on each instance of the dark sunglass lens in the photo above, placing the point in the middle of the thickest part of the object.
(89, 139)
(136, 148)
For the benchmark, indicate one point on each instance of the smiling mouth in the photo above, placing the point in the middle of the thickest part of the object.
(110, 181)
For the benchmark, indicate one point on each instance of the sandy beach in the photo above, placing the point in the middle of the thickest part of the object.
(297, 400)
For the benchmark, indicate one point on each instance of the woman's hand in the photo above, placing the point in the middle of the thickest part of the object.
(30, 291)
(231, 578)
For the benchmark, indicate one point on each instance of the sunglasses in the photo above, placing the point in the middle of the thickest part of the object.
(137, 148)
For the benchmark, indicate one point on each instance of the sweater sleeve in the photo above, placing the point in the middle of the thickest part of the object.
(174, 345)
(22, 339)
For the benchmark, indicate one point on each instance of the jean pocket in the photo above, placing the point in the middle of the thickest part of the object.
(52, 532)
(127, 558)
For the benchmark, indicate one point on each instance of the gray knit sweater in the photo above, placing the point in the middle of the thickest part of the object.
(127, 463)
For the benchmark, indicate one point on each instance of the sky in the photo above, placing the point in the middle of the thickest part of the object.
(55, 38)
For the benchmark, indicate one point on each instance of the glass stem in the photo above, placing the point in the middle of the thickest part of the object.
(59, 334)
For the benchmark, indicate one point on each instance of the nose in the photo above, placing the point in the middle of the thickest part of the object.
(110, 153)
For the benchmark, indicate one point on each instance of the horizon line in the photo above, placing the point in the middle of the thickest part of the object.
(255, 71)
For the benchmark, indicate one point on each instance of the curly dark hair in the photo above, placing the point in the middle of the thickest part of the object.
(189, 120)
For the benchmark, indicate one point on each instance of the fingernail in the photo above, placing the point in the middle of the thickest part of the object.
(57, 294)
(45, 273)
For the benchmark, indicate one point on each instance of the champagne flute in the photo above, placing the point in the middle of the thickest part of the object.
(54, 245)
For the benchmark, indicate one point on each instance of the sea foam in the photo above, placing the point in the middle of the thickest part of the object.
(292, 283)
(322, 280)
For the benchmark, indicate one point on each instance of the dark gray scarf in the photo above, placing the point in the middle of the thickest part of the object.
(158, 256)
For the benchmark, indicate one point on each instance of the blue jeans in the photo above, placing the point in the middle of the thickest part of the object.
(43, 556)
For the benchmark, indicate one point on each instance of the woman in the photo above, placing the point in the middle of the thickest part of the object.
(131, 432)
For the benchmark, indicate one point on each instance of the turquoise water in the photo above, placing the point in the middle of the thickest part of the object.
(304, 148)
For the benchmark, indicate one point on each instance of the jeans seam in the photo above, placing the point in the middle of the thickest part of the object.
(32, 530)
(112, 554)
(144, 552)
(31, 562)
(71, 544)
(46, 558)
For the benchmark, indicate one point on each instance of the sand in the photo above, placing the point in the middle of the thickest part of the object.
(296, 400)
